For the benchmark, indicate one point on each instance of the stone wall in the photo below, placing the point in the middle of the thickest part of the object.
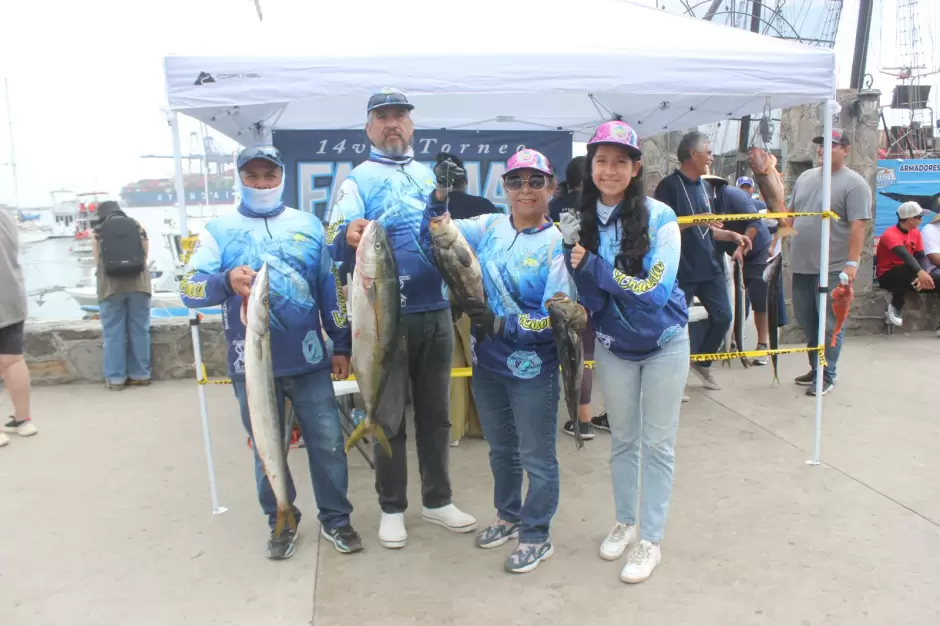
(66, 352)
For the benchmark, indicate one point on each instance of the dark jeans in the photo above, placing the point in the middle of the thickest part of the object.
(713, 294)
(520, 422)
(898, 281)
(423, 359)
(806, 310)
(314, 404)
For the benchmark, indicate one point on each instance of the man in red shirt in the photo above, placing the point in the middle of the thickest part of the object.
(901, 260)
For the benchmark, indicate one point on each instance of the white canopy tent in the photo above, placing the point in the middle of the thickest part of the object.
(497, 65)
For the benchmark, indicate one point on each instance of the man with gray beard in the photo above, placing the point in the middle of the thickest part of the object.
(394, 189)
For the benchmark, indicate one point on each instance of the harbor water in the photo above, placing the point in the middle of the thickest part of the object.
(50, 265)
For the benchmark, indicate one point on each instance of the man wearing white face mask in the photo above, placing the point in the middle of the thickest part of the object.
(304, 289)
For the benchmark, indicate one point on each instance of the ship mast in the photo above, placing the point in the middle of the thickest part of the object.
(12, 163)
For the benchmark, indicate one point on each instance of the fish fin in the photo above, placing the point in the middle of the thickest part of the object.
(463, 256)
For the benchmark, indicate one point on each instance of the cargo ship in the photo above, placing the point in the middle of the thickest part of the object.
(153, 192)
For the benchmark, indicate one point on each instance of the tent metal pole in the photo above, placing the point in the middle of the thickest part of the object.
(217, 509)
(823, 269)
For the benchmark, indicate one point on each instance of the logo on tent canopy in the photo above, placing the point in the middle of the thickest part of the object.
(203, 78)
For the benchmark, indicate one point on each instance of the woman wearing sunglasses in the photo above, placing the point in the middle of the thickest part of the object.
(515, 362)
(624, 255)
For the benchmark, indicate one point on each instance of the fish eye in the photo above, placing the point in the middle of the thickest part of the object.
(264, 300)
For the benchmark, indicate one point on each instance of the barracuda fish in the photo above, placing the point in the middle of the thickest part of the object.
(375, 304)
(740, 311)
(568, 320)
(270, 442)
(457, 264)
(772, 278)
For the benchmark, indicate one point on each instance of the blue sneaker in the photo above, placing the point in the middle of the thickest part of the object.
(527, 556)
(496, 534)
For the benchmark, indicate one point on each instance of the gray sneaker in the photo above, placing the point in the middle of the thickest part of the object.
(527, 556)
(283, 546)
(496, 534)
(705, 374)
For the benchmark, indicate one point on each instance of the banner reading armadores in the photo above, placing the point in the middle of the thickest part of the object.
(317, 161)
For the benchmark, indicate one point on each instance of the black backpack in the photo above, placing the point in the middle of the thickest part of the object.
(120, 246)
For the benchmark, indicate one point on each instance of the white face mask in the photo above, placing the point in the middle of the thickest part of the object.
(261, 200)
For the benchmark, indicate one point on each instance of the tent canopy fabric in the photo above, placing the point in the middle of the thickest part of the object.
(497, 65)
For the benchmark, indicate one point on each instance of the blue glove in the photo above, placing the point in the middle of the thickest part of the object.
(570, 227)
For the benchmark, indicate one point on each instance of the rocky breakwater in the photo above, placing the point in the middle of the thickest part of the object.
(71, 351)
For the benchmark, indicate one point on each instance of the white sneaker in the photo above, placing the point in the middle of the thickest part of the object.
(392, 533)
(450, 517)
(894, 316)
(642, 560)
(620, 536)
(4, 439)
(26, 428)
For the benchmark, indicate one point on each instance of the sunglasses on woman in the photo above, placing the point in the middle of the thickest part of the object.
(536, 182)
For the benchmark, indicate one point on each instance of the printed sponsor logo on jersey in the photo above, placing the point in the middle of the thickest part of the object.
(192, 290)
(340, 315)
(535, 324)
(637, 285)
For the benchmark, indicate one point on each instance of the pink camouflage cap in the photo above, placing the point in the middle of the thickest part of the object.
(618, 133)
(529, 159)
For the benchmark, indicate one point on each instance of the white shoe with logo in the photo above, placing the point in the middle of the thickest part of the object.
(392, 532)
(617, 540)
(894, 316)
(642, 560)
(451, 518)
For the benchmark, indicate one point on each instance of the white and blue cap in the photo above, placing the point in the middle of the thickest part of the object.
(388, 97)
(265, 153)
(744, 180)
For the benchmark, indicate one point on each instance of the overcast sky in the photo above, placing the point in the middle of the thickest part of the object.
(86, 78)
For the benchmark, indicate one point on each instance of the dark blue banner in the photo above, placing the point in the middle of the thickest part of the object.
(317, 161)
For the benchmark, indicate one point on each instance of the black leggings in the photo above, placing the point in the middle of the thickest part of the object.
(898, 281)
(587, 378)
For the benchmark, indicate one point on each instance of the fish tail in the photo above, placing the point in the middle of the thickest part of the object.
(380, 436)
(356, 435)
(776, 377)
(285, 518)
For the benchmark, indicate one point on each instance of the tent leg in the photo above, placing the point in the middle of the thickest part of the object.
(823, 270)
(217, 509)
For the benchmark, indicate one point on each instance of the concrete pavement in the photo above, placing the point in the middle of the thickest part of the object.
(105, 517)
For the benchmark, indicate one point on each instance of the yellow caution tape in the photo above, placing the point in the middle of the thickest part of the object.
(703, 218)
(731, 217)
(467, 372)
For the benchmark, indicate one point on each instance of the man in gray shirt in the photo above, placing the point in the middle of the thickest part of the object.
(851, 200)
(13, 368)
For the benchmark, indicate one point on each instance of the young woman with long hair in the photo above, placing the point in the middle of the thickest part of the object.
(624, 255)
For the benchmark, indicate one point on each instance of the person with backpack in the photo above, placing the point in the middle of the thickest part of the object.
(121, 248)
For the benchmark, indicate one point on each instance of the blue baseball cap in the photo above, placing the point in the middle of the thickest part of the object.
(266, 153)
(388, 97)
(744, 180)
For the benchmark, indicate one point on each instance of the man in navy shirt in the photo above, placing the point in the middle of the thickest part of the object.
(728, 200)
(700, 273)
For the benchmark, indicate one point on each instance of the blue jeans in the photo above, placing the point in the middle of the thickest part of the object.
(125, 328)
(643, 399)
(713, 294)
(314, 404)
(806, 310)
(520, 421)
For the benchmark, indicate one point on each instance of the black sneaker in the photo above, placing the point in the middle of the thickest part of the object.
(587, 429)
(806, 379)
(826, 388)
(600, 422)
(283, 546)
(344, 538)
